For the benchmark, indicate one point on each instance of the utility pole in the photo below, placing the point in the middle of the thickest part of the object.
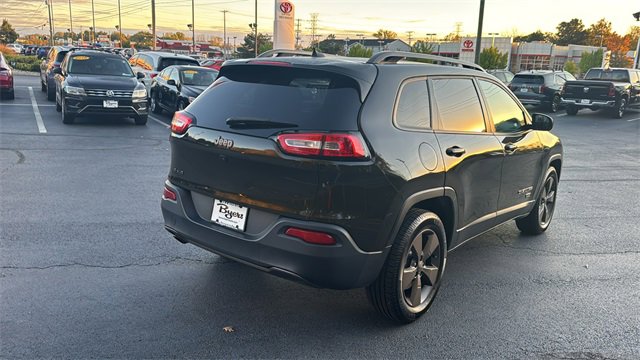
(479, 35)
(50, 22)
(153, 24)
(234, 46)
(193, 24)
(93, 29)
(255, 29)
(298, 34)
(636, 60)
(224, 39)
(70, 22)
(409, 35)
(53, 25)
(458, 30)
(314, 28)
(120, 23)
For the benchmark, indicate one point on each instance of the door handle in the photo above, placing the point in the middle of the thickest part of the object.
(455, 151)
(510, 148)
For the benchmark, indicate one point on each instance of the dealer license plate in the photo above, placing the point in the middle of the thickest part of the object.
(524, 90)
(585, 101)
(228, 214)
(111, 104)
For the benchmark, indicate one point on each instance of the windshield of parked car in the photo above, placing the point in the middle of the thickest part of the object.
(527, 79)
(613, 75)
(166, 62)
(99, 65)
(198, 77)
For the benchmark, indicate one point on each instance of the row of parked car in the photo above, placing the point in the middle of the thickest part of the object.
(101, 82)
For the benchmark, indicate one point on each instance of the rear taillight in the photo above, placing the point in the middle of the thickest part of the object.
(168, 194)
(181, 122)
(541, 89)
(311, 237)
(612, 91)
(320, 144)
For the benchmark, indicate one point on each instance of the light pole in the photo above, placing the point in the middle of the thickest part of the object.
(70, 23)
(153, 23)
(120, 23)
(493, 37)
(93, 29)
(93, 35)
(234, 46)
(479, 35)
(255, 28)
(118, 29)
(636, 61)
(224, 39)
(193, 24)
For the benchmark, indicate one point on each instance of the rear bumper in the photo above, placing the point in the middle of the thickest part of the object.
(595, 103)
(340, 266)
(531, 98)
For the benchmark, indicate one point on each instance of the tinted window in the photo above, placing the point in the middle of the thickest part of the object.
(412, 110)
(61, 55)
(528, 79)
(307, 99)
(569, 76)
(505, 112)
(508, 76)
(198, 77)
(613, 75)
(99, 65)
(176, 61)
(458, 105)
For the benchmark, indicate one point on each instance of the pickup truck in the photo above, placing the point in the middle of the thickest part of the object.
(615, 89)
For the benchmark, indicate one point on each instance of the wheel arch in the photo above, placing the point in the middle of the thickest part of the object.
(556, 162)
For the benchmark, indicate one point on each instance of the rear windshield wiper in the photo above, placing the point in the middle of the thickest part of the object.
(255, 123)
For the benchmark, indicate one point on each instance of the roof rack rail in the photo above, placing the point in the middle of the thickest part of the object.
(392, 57)
(283, 52)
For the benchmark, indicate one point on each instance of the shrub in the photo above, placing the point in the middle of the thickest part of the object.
(24, 63)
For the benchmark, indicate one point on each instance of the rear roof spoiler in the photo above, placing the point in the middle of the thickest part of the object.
(283, 52)
(392, 57)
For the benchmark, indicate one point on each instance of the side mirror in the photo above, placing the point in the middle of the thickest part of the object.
(140, 75)
(171, 82)
(542, 122)
(57, 70)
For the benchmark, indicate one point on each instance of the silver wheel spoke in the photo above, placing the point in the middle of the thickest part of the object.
(551, 197)
(432, 274)
(431, 246)
(416, 245)
(416, 291)
(408, 275)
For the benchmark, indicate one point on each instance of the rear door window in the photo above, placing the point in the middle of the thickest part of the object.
(303, 99)
(458, 105)
(176, 61)
(412, 109)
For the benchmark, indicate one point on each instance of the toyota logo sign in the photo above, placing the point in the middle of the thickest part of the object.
(286, 7)
(468, 44)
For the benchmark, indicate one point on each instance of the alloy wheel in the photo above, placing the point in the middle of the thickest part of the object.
(621, 108)
(421, 269)
(547, 202)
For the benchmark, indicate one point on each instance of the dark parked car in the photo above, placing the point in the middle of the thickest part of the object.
(342, 173)
(51, 62)
(615, 89)
(6, 79)
(150, 63)
(178, 86)
(93, 82)
(214, 64)
(42, 52)
(540, 87)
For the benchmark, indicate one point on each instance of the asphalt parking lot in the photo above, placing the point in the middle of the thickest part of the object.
(88, 271)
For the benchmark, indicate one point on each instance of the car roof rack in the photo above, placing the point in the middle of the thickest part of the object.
(392, 57)
(283, 52)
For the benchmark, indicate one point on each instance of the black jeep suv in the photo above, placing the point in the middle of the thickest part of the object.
(346, 173)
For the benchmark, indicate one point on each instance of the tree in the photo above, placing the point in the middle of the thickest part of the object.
(572, 68)
(331, 46)
(599, 32)
(422, 47)
(175, 36)
(491, 58)
(383, 34)
(247, 49)
(142, 39)
(534, 36)
(590, 60)
(7, 33)
(572, 32)
(358, 50)
(619, 46)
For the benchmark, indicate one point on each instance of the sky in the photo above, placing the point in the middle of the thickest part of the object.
(345, 18)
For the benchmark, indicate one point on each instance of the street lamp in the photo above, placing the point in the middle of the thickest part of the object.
(93, 35)
(493, 37)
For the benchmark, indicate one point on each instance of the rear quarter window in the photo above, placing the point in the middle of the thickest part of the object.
(412, 108)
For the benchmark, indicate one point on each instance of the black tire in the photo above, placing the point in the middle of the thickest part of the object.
(141, 119)
(43, 87)
(572, 109)
(621, 107)
(66, 117)
(387, 293)
(554, 105)
(51, 93)
(58, 106)
(154, 106)
(541, 215)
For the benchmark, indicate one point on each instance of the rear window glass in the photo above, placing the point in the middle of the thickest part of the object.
(200, 77)
(612, 75)
(412, 111)
(61, 56)
(308, 99)
(528, 79)
(166, 62)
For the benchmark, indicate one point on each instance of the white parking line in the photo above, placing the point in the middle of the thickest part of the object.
(36, 112)
(159, 121)
(634, 119)
(25, 105)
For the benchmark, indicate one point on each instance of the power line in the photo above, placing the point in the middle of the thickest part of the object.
(314, 28)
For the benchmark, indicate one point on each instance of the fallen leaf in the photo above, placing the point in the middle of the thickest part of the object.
(228, 329)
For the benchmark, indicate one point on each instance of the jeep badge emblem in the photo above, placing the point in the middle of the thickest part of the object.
(223, 143)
